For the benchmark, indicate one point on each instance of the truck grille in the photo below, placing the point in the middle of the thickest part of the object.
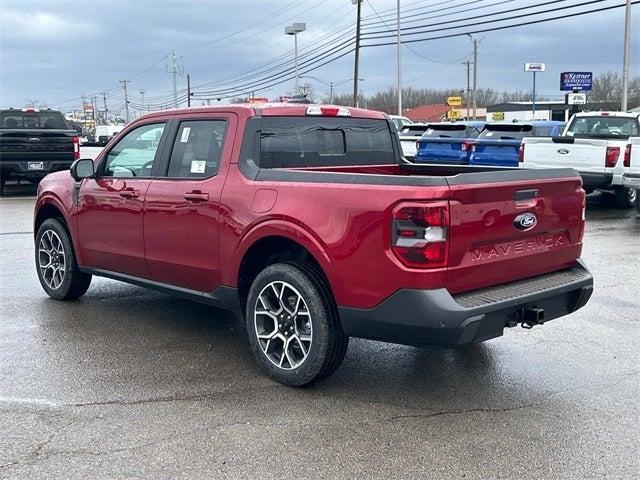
(521, 288)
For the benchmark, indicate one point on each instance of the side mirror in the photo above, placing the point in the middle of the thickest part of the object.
(82, 168)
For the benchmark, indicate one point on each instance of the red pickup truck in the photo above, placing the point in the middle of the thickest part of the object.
(307, 221)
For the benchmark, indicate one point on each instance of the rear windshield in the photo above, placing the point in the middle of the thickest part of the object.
(603, 127)
(324, 142)
(452, 131)
(413, 130)
(18, 119)
(548, 131)
(506, 132)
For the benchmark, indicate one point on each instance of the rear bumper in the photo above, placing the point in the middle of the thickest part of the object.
(631, 180)
(590, 179)
(20, 169)
(435, 317)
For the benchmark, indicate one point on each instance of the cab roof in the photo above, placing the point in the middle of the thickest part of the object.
(270, 110)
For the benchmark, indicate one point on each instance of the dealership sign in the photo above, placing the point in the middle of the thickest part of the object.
(534, 67)
(576, 80)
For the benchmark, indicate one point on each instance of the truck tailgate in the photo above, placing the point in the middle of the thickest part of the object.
(491, 240)
(583, 154)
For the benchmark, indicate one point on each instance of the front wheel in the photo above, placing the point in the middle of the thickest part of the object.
(56, 263)
(292, 324)
(625, 197)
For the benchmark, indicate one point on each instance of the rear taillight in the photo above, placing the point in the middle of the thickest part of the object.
(467, 146)
(521, 153)
(627, 155)
(419, 235)
(611, 157)
(584, 216)
(76, 148)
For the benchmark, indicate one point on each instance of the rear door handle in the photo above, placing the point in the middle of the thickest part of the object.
(129, 193)
(196, 196)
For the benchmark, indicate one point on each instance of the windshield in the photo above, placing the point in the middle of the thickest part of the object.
(603, 127)
(506, 132)
(18, 119)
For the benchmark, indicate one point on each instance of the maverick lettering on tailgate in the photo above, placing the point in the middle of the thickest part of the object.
(519, 248)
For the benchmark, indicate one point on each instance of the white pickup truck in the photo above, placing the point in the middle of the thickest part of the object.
(631, 179)
(594, 143)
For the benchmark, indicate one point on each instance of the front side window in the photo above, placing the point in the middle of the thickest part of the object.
(135, 153)
(197, 148)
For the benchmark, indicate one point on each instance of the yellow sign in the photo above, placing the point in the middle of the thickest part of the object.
(496, 116)
(453, 114)
(454, 101)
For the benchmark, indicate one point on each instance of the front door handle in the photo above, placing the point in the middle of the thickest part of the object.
(129, 193)
(196, 196)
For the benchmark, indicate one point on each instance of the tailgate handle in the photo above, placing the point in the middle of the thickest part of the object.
(526, 194)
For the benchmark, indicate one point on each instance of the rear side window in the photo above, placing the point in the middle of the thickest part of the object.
(196, 149)
(506, 132)
(321, 142)
(548, 131)
(46, 120)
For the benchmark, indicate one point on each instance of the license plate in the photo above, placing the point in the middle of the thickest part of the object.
(35, 166)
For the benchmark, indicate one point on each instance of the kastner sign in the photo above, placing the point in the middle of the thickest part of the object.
(576, 80)
(534, 67)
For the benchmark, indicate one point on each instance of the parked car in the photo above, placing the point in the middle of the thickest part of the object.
(631, 178)
(104, 133)
(307, 220)
(33, 143)
(409, 136)
(499, 143)
(448, 142)
(594, 144)
(400, 122)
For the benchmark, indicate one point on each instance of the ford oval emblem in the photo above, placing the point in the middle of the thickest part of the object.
(563, 151)
(34, 139)
(525, 221)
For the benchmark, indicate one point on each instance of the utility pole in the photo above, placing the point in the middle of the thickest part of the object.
(357, 59)
(142, 92)
(126, 100)
(104, 100)
(94, 107)
(475, 75)
(466, 98)
(475, 72)
(188, 90)
(625, 57)
(399, 63)
(176, 69)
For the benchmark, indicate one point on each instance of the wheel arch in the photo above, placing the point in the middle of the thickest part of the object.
(275, 247)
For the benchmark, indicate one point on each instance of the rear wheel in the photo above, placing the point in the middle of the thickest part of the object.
(293, 326)
(625, 197)
(56, 263)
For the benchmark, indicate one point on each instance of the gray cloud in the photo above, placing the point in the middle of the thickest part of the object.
(56, 50)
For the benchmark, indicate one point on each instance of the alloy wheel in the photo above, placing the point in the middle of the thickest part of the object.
(51, 259)
(283, 325)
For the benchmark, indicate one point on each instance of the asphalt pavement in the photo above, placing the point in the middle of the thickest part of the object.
(130, 383)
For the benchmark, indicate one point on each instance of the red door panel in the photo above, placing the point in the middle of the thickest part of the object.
(110, 213)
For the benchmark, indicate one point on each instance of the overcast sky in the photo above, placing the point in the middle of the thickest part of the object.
(55, 51)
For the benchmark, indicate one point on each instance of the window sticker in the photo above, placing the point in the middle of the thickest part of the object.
(429, 131)
(489, 134)
(185, 135)
(198, 166)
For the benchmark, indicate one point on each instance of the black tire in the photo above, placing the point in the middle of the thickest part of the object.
(328, 344)
(625, 197)
(74, 283)
(638, 200)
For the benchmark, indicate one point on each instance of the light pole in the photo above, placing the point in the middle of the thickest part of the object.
(475, 73)
(399, 64)
(534, 68)
(625, 56)
(328, 84)
(294, 29)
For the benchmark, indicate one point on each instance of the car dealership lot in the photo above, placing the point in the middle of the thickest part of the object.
(131, 383)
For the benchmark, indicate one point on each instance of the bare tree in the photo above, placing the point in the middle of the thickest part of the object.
(35, 103)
